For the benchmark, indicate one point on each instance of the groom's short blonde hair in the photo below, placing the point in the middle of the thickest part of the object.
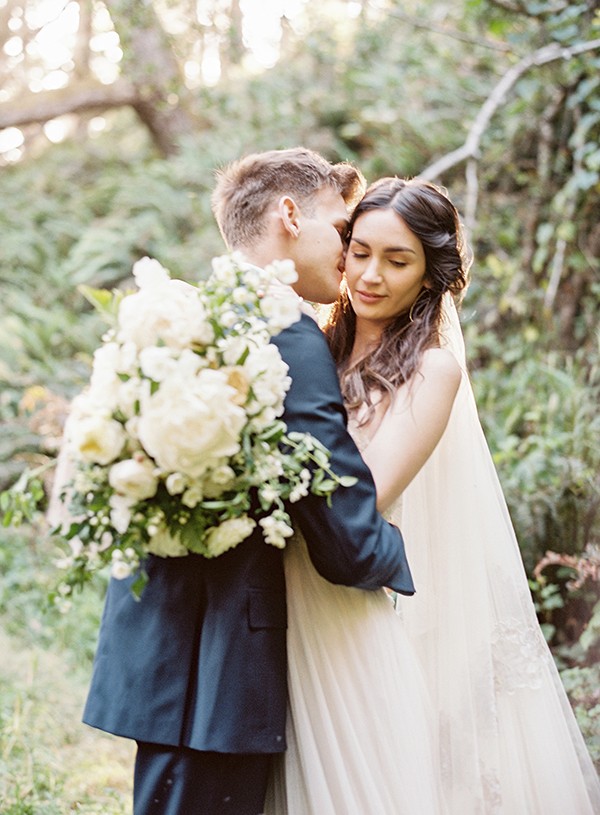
(246, 189)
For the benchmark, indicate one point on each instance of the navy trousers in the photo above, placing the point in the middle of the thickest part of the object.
(180, 781)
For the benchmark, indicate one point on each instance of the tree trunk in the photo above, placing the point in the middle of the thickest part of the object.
(152, 70)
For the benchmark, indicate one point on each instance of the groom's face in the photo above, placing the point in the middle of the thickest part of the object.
(319, 249)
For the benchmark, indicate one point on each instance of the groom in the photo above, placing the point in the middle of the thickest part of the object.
(195, 671)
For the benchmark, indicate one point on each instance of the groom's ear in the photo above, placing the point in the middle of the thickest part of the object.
(289, 214)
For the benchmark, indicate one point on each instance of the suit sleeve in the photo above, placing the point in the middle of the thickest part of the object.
(349, 542)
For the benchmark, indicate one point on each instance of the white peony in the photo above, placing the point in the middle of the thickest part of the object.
(228, 534)
(186, 425)
(134, 478)
(170, 312)
(96, 438)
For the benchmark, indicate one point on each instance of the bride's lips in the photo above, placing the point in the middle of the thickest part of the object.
(369, 297)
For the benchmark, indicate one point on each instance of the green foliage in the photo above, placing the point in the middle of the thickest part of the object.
(45, 769)
(539, 410)
(29, 575)
(582, 685)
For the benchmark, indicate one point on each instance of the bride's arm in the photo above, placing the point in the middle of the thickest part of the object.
(413, 425)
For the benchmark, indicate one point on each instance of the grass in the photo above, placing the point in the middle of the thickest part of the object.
(52, 764)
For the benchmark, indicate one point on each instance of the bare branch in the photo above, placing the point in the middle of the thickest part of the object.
(521, 8)
(448, 32)
(85, 96)
(470, 149)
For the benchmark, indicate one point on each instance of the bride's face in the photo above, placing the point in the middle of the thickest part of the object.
(385, 267)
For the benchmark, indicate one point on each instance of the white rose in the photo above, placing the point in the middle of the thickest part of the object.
(170, 313)
(223, 475)
(281, 311)
(228, 318)
(233, 349)
(253, 278)
(284, 271)
(120, 569)
(224, 269)
(186, 425)
(128, 394)
(132, 428)
(134, 478)
(268, 374)
(189, 363)
(96, 438)
(192, 496)
(104, 382)
(128, 359)
(264, 417)
(241, 296)
(149, 273)
(175, 484)
(157, 362)
(228, 534)
(218, 481)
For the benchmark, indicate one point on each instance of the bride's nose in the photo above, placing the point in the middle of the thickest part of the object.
(371, 272)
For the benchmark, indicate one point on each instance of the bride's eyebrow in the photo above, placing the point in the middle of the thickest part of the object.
(388, 249)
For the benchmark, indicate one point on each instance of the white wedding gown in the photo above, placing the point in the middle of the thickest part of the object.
(505, 740)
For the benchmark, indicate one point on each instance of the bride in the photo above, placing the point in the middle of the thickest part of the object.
(506, 738)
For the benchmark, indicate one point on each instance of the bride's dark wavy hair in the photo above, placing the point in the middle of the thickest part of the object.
(433, 218)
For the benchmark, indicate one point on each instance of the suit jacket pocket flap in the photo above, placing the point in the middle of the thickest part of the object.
(266, 609)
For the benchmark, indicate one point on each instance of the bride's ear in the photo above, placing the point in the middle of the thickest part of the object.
(289, 215)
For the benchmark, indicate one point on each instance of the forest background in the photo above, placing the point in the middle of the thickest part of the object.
(113, 118)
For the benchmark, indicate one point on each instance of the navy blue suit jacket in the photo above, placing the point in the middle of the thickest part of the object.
(200, 660)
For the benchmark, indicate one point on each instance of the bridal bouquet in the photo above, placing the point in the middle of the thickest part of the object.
(180, 429)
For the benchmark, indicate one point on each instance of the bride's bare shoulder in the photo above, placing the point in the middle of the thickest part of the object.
(440, 364)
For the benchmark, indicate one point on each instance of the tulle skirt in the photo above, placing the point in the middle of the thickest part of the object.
(361, 735)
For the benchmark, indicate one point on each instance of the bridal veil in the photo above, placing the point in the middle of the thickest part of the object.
(509, 741)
